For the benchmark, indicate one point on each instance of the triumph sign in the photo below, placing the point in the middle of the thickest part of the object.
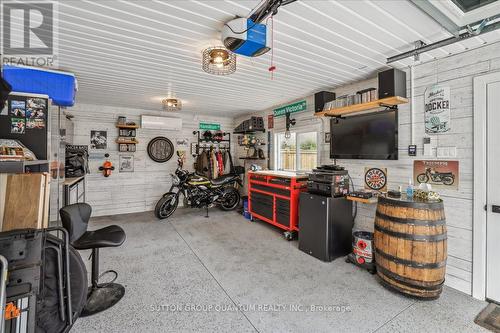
(437, 109)
(29, 33)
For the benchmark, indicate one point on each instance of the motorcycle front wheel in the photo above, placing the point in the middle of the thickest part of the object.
(448, 180)
(422, 178)
(166, 206)
(230, 199)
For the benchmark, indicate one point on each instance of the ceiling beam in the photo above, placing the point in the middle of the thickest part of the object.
(438, 16)
(444, 42)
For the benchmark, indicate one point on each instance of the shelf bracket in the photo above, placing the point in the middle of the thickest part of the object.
(389, 106)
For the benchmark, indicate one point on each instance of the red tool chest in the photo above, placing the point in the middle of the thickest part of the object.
(274, 198)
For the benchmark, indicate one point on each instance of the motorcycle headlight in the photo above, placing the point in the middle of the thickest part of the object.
(175, 180)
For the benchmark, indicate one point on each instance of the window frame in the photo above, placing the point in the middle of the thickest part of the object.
(298, 132)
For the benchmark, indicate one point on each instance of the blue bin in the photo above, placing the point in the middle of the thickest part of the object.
(59, 86)
(246, 213)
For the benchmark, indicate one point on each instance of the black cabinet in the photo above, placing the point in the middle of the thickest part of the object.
(325, 226)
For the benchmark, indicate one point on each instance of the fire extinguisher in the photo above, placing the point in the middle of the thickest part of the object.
(107, 167)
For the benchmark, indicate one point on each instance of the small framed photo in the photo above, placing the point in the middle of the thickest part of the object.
(126, 163)
(327, 137)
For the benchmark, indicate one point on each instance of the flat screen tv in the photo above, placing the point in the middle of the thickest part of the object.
(371, 137)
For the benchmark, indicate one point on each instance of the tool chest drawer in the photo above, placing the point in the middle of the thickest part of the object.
(270, 189)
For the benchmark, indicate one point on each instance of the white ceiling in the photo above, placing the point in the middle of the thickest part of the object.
(131, 53)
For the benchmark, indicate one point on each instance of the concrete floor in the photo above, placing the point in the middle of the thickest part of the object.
(174, 271)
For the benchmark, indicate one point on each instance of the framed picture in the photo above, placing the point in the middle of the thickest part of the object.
(98, 139)
(438, 173)
(126, 163)
(327, 137)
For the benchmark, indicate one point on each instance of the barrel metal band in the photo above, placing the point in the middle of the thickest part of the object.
(419, 238)
(425, 223)
(410, 263)
(411, 204)
(406, 282)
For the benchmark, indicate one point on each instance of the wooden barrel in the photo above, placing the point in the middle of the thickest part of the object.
(410, 246)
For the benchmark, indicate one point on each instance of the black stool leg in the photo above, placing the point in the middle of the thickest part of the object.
(101, 296)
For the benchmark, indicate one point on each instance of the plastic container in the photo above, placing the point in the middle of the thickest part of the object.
(246, 212)
(59, 86)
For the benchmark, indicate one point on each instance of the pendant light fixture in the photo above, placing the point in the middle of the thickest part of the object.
(171, 104)
(218, 61)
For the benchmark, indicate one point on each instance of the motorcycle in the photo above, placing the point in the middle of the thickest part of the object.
(199, 192)
(447, 178)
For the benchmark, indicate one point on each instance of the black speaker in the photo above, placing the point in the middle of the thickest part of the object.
(5, 89)
(321, 98)
(391, 82)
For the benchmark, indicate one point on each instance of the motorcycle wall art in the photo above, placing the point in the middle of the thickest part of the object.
(440, 174)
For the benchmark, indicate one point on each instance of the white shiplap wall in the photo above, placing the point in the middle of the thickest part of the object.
(136, 191)
(456, 71)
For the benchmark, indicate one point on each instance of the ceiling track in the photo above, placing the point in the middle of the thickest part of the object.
(470, 33)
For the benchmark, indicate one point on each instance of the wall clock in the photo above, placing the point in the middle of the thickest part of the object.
(160, 149)
(376, 179)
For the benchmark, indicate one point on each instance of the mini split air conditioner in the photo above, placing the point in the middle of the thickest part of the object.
(165, 123)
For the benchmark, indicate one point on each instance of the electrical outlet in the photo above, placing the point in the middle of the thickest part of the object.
(447, 152)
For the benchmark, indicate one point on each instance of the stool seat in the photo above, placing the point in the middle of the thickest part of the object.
(111, 236)
(75, 219)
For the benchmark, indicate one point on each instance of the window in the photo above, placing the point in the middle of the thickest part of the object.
(468, 5)
(299, 152)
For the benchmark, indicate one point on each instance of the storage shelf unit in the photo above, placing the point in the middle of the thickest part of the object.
(125, 135)
(274, 198)
(370, 106)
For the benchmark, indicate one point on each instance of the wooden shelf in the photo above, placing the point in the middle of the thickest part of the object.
(127, 126)
(389, 101)
(128, 142)
(250, 132)
(372, 200)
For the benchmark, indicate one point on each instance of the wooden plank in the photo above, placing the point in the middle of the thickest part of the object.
(24, 201)
(127, 126)
(3, 194)
(46, 197)
(396, 100)
(372, 200)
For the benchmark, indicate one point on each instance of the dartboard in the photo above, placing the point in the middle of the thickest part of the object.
(160, 149)
(376, 179)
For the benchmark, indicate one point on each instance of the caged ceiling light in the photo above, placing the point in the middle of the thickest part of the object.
(171, 104)
(219, 61)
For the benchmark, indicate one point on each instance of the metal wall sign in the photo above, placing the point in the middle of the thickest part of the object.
(290, 108)
(437, 109)
(209, 126)
(160, 149)
(376, 179)
(438, 173)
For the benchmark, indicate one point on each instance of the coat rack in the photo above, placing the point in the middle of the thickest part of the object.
(220, 144)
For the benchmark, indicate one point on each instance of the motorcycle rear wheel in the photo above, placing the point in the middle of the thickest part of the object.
(230, 199)
(164, 207)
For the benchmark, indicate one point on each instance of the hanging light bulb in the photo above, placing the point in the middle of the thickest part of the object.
(219, 61)
(172, 104)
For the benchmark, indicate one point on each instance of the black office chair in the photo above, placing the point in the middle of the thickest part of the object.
(75, 219)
